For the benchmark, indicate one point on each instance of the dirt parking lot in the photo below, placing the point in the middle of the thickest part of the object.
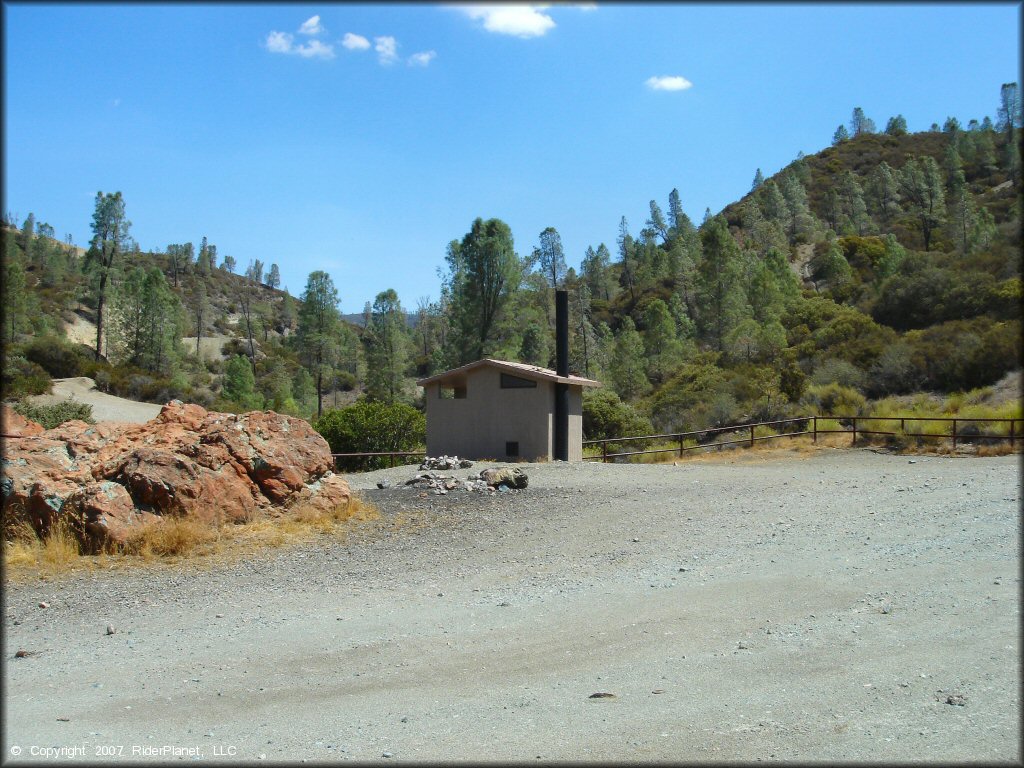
(843, 606)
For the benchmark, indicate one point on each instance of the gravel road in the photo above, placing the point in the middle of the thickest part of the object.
(846, 606)
(104, 407)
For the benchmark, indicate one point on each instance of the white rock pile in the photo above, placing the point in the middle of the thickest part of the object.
(494, 480)
(445, 462)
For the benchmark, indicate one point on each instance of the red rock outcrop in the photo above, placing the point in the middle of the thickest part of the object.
(109, 478)
(13, 424)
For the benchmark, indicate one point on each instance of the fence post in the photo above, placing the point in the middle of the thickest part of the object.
(815, 429)
(1012, 422)
(751, 435)
(854, 431)
(604, 452)
(391, 460)
(954, 434)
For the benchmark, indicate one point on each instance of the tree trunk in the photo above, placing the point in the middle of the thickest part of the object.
(99, 314)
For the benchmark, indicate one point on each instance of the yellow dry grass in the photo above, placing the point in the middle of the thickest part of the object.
(178, 540)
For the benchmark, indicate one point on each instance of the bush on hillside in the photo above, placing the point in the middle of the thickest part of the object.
(58, 357)
(50, 416)
(22, 377)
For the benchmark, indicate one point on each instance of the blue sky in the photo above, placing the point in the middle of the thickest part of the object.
(361, 140)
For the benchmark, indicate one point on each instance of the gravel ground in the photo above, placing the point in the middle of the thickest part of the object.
(846, 606)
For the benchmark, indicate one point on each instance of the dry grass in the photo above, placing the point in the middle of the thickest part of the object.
(177, 540)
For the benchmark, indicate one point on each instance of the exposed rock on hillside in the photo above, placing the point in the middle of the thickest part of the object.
(108, 478)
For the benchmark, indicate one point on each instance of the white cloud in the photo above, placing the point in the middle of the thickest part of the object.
(279, 42)
(422, 59)
(311, 26)
(516, 20)
(282, 42)
(314, 49)
(668, 83)
(355, 42)
(387, 49)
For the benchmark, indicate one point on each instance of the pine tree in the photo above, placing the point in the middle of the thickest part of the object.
(922, 188)
(882, 192)
(840, 135)
(387, 351)
(721, 299)
(627, 255)
(859, 124)
(661, 344)
(855, 213)
(758, 180)
(897, 126)
(627, 364)
(110, 231)
(319, 321)
(274, 277)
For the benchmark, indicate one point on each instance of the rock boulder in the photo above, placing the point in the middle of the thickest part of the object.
(109, 478)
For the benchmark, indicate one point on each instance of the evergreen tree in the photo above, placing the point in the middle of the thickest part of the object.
(721, 299)
(661, 345)
(802, 224)
(596, 268)
(203, 261)
(627, 255)
(274, 276)
(840, 135)
(228, 265)
(627, 364)
(110, 231)
(387, 350)
(983, 230)
(922, 188)
(552, 257)
(484, 274)
(319, 321)
(855, 213)
(860, 124)
(200, 309)
(15, 299)
(882, 193)
(657, 223)
(240, 384)
(758, 180)
(679, 223)
(1008, 115)
(897, 126)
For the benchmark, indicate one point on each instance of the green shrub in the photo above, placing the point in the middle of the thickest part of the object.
(366, 427)
(22, 377)
(50, 416)
(834, 400)
(57, 357)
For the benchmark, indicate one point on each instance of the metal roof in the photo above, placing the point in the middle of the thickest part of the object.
(519, 369)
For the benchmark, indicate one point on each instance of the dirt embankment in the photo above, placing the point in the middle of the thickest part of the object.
(846, 606)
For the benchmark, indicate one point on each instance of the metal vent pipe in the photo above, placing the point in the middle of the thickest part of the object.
(562, 369)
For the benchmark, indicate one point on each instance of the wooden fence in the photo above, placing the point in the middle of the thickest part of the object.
(804, 425)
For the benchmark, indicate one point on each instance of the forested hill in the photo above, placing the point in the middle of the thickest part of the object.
(885, 265)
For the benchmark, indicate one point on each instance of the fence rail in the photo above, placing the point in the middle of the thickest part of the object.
(804, 425)
(371, 454)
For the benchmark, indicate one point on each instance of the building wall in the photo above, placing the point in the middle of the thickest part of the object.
(479, 425)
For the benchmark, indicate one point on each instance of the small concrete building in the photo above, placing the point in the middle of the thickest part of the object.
(495, 409)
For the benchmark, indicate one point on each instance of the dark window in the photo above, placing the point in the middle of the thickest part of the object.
(452, 393)
(512, 448)
(508, 381)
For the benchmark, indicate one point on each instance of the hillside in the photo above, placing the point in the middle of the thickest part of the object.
(887, 265)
